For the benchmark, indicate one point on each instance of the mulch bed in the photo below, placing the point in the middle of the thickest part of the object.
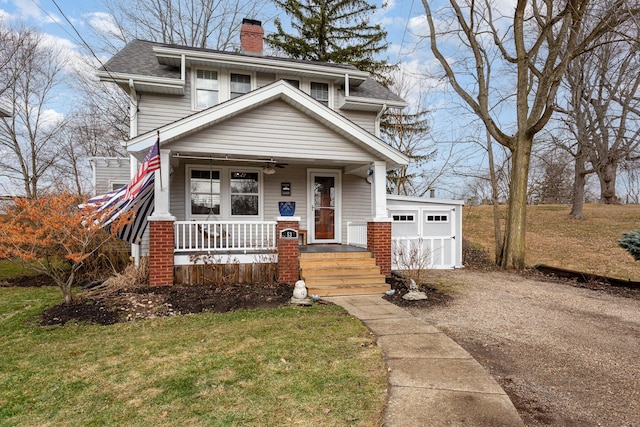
(145, 302)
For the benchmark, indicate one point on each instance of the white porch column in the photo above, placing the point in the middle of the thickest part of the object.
(135, 247)
(161, 199)
(379, 190)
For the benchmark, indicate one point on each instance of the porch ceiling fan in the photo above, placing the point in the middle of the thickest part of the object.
(270, 165)
(268, 168)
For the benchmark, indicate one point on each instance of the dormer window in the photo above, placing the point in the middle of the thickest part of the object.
(294, 83)
(206, 88)
(240, 84)
(320, 92)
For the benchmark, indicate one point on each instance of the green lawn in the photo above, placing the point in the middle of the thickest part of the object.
(292, 366)
(12, 268)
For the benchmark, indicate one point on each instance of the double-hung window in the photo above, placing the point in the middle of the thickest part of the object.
(245, 193)
(320, 92)
(205, 192)
(206, 88)
(240, 84)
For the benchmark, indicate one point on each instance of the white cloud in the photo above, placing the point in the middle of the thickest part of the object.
(102, 22)
(51, 118)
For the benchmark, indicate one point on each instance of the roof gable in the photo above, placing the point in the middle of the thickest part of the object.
(279, 90)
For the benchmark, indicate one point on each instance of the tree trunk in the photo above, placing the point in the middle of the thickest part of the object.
(495, 199)
(514, 238)
(579, 182)
(607, 176)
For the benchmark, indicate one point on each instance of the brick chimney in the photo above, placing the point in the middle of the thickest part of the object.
(251, 34)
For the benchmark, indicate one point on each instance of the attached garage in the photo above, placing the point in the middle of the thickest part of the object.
(430, 229)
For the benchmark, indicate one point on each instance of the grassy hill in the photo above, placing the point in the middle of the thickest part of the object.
(589, 245)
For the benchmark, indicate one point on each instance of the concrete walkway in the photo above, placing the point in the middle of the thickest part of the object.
(432, 380)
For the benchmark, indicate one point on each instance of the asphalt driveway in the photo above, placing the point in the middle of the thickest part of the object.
(566, 356)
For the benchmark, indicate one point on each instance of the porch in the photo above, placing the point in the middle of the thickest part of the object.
(263, 251)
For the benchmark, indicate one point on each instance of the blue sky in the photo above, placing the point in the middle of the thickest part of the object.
(400, 19)
(404, 22)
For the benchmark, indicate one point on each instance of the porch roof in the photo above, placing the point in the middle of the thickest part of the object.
(284, 92)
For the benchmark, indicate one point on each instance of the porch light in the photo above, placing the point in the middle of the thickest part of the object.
(268, 170)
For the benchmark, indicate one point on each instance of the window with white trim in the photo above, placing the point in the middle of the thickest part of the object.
(403, 218)
(437, 218)
(320, 92)
(207, 88)
(205, 192)
(240, 84)
(245, 193)
(223, 192)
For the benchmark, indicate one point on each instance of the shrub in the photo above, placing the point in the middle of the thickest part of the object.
(631, 242)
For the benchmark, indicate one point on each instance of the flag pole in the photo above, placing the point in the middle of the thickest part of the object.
(160, 158)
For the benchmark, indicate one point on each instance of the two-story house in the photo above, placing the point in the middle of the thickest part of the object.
(240, 133)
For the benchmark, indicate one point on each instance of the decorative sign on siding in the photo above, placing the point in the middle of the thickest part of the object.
(289, 233)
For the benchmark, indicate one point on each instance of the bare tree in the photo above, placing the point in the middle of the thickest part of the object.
(28, 138)
(631, 180)
(603, 113)
(551, 177)
(534, 47)
(213, 24)
(409, 131)
(11, 43)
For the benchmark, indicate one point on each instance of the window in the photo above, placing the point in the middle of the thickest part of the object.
(240, 84)
(117, 185)
(205, 192)
(437, 218)
(206, 88)
(294, 83)
(320, 92)
(403, 218)
(244, 193)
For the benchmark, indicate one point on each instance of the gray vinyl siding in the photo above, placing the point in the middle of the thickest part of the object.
(274, 130)
(264, 79)
(356, 201)
(364, 119)
(157, 110)
(109, 171)
(297, 176)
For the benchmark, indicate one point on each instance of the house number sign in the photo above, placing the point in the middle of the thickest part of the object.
(289, 233)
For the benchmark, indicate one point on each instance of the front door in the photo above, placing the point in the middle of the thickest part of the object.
(325, 203)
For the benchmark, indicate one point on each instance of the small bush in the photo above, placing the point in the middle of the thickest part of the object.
(631, 242)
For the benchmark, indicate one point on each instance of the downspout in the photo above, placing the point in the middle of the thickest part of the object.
(378, 117)
(183, 68)
(92, 162)
(133, 110)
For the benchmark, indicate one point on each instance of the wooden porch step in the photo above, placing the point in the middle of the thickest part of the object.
(343, 279)
(339, 255)
(340, 270)
(341, 273)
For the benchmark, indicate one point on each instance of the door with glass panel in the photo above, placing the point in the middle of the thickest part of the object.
(325, 199)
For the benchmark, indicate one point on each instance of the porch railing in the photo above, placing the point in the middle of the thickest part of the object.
(224, 236)
(357, 234)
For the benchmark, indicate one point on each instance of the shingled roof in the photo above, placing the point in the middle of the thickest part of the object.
(138, 58)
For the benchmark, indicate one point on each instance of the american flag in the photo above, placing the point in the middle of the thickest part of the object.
(137, 197)
(150, 163)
